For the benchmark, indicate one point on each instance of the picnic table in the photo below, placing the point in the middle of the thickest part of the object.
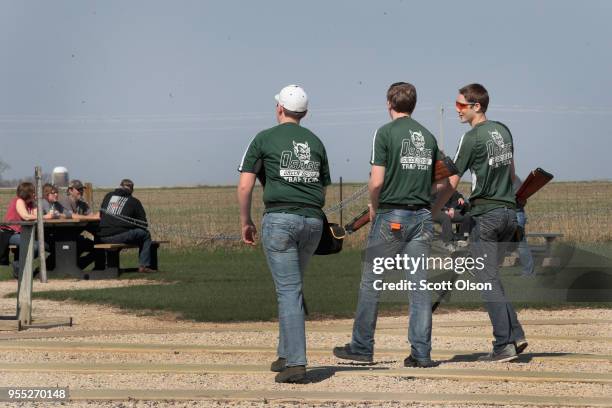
(65, 235)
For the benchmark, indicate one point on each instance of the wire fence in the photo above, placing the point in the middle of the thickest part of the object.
(208, 217)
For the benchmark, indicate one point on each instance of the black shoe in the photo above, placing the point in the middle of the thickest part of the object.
(295, 374)
(520, 345)
(413, 362)
(508, 353)
(279, 365)
(346, 353)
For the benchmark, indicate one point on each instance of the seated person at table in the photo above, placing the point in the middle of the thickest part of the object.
(454, 211)
(21, 208)
(51, 207)
(123, 221)
(78, 209)
(75, 207)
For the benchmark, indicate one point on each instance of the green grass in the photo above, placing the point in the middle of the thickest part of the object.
(230, 285)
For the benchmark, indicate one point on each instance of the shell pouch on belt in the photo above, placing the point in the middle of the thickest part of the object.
(332, 238)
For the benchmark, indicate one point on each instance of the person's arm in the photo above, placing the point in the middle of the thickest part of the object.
(23, 212)
(245, 195)
(139, 211)
(375, 185)
(325, 174)
(513, 173)
(445, 193)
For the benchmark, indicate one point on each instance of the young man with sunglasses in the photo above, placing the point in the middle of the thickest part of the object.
(291, 162)
(403, 156)
(74, 205)
(487, 150)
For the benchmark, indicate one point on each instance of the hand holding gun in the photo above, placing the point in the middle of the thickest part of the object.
(443, 168)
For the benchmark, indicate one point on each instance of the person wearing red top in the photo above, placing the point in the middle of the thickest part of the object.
(21, 208)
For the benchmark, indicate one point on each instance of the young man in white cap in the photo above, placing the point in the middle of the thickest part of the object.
(291, 163)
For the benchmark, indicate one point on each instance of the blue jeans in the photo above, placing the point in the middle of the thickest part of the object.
(523, 247)
(140, 237)
(413, 239)
(490, 237)
(15, 239)
(289, 240)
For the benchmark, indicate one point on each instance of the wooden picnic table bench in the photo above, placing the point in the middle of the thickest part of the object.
(545, 250)
(549, 237)
(107, 259)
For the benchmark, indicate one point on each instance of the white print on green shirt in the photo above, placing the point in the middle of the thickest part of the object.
(296, 166)
(414, 155)
(500, 153)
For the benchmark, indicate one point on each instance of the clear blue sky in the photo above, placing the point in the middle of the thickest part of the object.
(171, 92)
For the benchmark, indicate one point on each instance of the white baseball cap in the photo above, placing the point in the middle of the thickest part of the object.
(293, 98)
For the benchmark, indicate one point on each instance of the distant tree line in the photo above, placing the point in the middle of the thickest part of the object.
(4, 166)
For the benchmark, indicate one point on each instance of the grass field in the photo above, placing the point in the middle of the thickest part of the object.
(225, 285)
(203, 217)
(209, 278)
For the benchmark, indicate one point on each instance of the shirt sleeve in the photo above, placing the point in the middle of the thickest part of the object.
(139, 211)
(379, 149)
(438, 155)
(324, 172)
(250, 156)
(464, 157)
(83, 208)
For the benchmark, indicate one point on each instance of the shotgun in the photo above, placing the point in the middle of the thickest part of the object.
(534, 182)
(444, 168)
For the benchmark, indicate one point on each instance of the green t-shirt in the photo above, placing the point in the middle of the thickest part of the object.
(487, 150)
(408, 152)
(295, 165)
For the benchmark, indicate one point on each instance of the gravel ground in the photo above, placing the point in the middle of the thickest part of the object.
(333, 332)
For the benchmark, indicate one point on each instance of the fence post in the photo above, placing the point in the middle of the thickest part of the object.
(40, 225)
(88, 196)
(341, 223)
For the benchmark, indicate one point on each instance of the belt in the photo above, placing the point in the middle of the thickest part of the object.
(299, 205)
(411, 207)
(483, 201)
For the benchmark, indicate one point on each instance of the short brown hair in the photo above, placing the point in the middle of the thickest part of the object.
(294, 115)
(476, 93)
(402, 97)
(48, 189)
(128, 184)
(25, 190)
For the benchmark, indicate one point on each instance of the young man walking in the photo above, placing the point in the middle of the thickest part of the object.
(291, 163)
(487, 150)
(400, 186)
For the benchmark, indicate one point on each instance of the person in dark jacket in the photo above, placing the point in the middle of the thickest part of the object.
(123, 221)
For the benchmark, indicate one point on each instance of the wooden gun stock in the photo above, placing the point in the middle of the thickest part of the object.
(534, 182)
(358, 222)
(443, 168)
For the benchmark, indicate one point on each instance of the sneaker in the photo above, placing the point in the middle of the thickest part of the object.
(293, 374)
(414, 363)
(279, 365)
(345, 352)
(462, 243)
(450, 247)
(508, 353)
(520, 345)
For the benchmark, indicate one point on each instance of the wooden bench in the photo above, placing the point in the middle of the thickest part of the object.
(545, 250)
(107, 264)
(549, 238)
